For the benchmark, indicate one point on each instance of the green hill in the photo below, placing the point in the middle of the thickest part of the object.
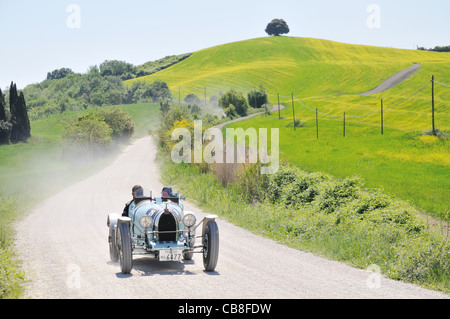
(323, 74)
(331, 77)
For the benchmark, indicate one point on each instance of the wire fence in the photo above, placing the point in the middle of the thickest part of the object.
(346, 115)
(381, 111)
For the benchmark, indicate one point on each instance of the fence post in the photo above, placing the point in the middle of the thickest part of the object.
(317, 125)
(432, 102)
(293, 108)
(382, 127)
(344, 124)
(279, 114)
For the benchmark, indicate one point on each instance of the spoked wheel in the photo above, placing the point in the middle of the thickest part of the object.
(125, 250)
(113, 252)
(211, 246)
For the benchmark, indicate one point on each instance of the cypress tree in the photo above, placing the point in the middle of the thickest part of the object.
(12, 98)
(22, 112)
(5, 126)
(15, 130)
(19, 116)
(2, 106)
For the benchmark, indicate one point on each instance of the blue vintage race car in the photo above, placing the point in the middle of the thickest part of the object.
(161, 229)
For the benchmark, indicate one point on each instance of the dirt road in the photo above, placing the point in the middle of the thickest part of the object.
(63, 245)
(395, 80)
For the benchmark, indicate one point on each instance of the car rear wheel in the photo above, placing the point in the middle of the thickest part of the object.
(125, 250)
(211, 246)
(113, 253)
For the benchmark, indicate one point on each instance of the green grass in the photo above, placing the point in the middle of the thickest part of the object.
(33, 171)
(323, 74)
(400, 163)
(330, 76)
(358, 226)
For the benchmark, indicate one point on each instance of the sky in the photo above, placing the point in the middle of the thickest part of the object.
(39, 36)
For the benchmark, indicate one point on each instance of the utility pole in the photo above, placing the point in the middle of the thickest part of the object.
(279, 114)
(432, 102)
(382, 128)
(317, 125)
(344, 124)
(293, 108)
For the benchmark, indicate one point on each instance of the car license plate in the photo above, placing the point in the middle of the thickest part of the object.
(170, 255)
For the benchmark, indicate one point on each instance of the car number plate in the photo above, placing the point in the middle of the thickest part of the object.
(170, 255)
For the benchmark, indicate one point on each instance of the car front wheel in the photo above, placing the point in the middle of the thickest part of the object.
(125, 250)
(211, 246)
(113, 253)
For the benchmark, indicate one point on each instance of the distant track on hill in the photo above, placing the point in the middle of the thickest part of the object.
(274, 109)
(394, 80)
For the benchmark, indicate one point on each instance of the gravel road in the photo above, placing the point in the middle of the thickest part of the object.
(63, 245)
(395, 80)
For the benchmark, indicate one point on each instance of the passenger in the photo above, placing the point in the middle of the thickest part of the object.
(136, 191)
(167, 192)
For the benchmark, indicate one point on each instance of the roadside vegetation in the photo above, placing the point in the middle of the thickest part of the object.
(50, 161)
(364, 199)
(413, 166)
(338, 218)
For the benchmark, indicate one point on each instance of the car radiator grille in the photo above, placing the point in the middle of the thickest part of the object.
(167, 223)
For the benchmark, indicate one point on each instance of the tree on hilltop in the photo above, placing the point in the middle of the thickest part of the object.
(277, 27)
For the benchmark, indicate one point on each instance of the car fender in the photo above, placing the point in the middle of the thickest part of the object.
(111, 222)
(206, 220)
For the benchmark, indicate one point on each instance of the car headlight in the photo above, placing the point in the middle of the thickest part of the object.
(146, 221)
(189, 220)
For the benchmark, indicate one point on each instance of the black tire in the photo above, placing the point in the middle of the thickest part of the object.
(125, 250)
(211, 246)
(113, 253)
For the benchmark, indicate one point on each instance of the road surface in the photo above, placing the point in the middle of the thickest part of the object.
(394, 80)
(64, 249)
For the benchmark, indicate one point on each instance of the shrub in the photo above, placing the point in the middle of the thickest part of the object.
(5, 132)
(441, 134)
(297, 123)
(119, 121)
(257, 98)
(230, 111)
(236, 99)
(89, 129)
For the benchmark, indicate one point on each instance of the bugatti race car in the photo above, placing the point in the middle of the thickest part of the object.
(160, 228)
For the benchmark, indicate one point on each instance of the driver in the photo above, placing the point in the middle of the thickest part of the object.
(136, 191)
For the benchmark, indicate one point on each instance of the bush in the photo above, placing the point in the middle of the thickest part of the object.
(440, 134)
(236, 99)
(257, 98)
(297, 123)
(359, 226)
(119, 121)
(230, 111)
(88, 130)
(5, 132)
